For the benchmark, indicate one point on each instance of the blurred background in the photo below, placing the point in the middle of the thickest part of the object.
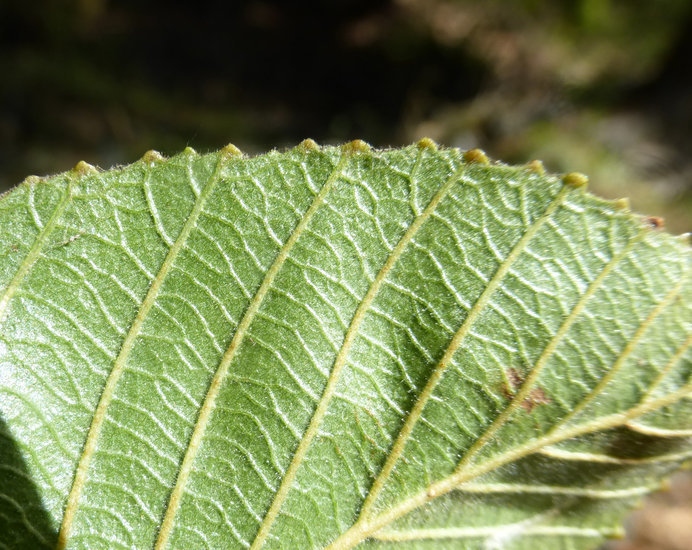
(599, 86)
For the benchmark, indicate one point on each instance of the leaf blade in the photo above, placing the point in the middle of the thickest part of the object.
(366, 265)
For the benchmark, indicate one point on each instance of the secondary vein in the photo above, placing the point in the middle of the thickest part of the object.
(99, 418)
(36, 249)
(465, 472)
(226, 360)
(340, 359)
(406, 430)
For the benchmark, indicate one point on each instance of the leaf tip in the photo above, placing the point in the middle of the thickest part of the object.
(427, 143)
(575, 179)
(476, 156)
(83, 168)
(152, 157)
(231, 151)
(308, 145)
(354, 147)
(537, 167)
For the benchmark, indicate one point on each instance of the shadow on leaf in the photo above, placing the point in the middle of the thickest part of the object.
(24, 522)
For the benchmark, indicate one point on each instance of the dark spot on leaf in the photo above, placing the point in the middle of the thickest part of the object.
(654, 222)
(537, 396)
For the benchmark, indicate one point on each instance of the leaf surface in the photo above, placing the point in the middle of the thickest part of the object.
(332, 347)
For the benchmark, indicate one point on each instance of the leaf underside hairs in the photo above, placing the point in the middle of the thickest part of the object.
(331, 347)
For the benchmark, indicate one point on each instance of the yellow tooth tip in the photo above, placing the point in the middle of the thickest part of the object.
(427, 143)
(83, 168)
(308, 145)
(151, 157)
(575, 179)
(354, 147)
(622, 204)
(476, 156)
(537, 167)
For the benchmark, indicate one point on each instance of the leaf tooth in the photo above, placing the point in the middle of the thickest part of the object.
(537, 167)
(354, 147)
(32, 180)
(476, 156)
(575, 179)
(622, 204)
(308, 145)
(427, 143)
(152, 157)
(189, 151)
(83, 168)
(231, 151)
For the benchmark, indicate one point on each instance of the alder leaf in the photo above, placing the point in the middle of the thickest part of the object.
(332, 347)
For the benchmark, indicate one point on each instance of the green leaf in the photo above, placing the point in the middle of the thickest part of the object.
(334, 347)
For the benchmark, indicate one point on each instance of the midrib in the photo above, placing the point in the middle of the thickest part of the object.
(106, 398)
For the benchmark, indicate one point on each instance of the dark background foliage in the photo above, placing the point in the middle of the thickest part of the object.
(599, 86)
(602, 86)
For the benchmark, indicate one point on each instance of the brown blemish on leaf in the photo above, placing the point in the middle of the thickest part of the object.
(515, 379)
(537, 396)
(654, 222)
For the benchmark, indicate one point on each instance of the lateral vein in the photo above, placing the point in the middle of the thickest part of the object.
(340, 359)
(547, 353)
(106, 398)
(360, 532)
(226, 360)
(36, 250)
(406, 430)
(517, 530)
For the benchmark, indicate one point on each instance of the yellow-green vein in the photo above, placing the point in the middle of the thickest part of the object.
(340, 359)
(484, 532)
(222, 370)
(548, 351)
(417, 409)
(626, 352)
(34, 253)
(665, 370)
(361, 531)
(91, 442)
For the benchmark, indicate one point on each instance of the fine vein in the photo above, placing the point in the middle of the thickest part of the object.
(222, 370)
(99, 418)
(360, 532)
(626, 352)
(36, 249)
(340, 359)
(548, 351)
(398, 447)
